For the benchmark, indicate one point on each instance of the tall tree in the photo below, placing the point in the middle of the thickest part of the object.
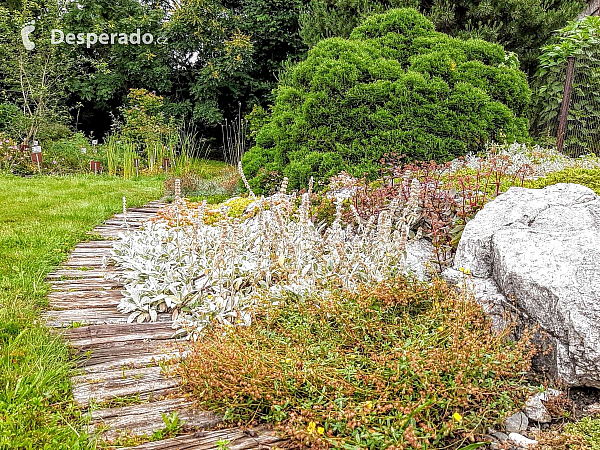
(105, 73)
(33, 78)
(273, 27)
(207, 49)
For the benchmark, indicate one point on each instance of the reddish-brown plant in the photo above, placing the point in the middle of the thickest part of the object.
(399, 365)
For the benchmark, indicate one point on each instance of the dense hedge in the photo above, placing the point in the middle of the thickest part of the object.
(396, 85)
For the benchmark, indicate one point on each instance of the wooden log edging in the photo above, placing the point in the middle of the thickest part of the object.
(121, 381)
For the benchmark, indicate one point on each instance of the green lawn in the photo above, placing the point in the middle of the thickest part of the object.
(41, 220)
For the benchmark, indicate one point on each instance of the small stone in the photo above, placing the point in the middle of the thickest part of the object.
(500, 436)
(522, 441)
(535, 409)
(516, 423)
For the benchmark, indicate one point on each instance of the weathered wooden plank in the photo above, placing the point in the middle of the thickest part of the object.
(200, 440)
(85, 337)
(145, 418)
(110, 233)
(82, 251)
(78, 263)
(149, 210)
(74, 296)
(118, 221)
(264, 440)
(205, 440)
(65, 273)
(136, 213)
(94, 245)
(111, 228)
(113, 355)
(84, 294)
(84, 299)
(91, 252)
(100, 282)
(131, 362)
(148, 382)
(66, 318)
(92, 259)
(86, 285)
(91, 303)
(97, 316)
(90, 255)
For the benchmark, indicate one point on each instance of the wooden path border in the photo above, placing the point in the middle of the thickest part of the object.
(122, 382)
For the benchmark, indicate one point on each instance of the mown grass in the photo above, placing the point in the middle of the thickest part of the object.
(41, 220)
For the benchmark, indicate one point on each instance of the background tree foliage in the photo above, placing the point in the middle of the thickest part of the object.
(220, 53)
(580, 40)
(521, 26)
(214, 54)
(32, 83)
(104, 74)
(273, 27)
(396, 85)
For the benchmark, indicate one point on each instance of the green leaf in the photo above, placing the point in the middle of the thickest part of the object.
(474, 446)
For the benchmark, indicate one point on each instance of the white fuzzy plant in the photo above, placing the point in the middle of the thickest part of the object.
(202, 273)
(540, 161)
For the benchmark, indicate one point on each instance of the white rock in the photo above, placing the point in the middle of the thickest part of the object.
(419, 255)
(541, 249)
(522, 441)
(535, 409)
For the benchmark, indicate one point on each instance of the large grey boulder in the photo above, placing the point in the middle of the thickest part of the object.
(419, 255)
(535, 253)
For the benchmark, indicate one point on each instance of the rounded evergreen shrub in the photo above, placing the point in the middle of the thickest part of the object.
(396, 85)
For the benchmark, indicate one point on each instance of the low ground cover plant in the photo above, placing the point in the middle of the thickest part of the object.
(399, 364)
(586, 177)
(206, 263)
(581, 435)
(452, 192)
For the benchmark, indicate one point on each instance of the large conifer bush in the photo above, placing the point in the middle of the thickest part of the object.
(396, 85)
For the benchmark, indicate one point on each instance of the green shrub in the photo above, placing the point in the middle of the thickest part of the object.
(10, 117)
(586, 177)
(395, 85)
(53, 131)
(65, 156)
